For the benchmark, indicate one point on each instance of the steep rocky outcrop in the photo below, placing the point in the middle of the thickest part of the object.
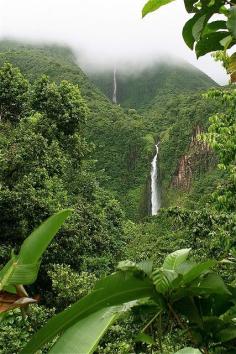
(198, 159)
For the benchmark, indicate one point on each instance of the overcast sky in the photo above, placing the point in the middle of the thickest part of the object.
(104, 31)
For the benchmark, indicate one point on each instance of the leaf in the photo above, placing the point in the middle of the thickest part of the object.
(2, 316)
(187, 31)
(232, 67)
(227, 42)
(23, 269)
(153, 5)
(227, 334)
(185, 267)
(6, 273)
(215, 304)
(144, 266)
(194, 27)
(34, 246)
(197, 270)
(173, 260)
(213, 324)
(165, 280)
(214, 26)
(211, 284)
(198, 27)
(231, 23)
(210, 42)
(144, 338)
(189, 5)
(84, 336)
(116, 289)
(188, 350)
(24, 274)
(161, 282)
(14, 273)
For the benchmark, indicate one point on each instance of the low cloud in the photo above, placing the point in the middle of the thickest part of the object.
(104, 33)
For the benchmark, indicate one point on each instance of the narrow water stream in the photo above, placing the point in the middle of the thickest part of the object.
(155, 192)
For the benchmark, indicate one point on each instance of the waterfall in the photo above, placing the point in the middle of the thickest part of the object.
(155, 193)
(114, 99)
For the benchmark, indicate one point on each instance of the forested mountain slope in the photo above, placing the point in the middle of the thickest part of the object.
(139, 87)
(168, 95)
(124, 140)
(118, 136)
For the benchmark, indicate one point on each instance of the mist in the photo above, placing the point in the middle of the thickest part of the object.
(105, 33)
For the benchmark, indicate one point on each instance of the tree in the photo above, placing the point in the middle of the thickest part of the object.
(44, 168)
(13, 93)
(221, 136)
(62, 104)
(31, 174)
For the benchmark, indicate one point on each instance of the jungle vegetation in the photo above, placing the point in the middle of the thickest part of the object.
(97, 273)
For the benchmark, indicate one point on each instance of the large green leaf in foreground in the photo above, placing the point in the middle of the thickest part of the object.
(84, 336)
(117, 289)
(23, 269)
(34, 246)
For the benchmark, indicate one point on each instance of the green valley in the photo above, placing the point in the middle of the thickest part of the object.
(125, 138)
(82, 147)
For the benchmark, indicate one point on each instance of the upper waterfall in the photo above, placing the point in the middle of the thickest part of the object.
(114, 98)
(155, 194)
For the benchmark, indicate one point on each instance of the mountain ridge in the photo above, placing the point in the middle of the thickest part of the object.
(138, 89)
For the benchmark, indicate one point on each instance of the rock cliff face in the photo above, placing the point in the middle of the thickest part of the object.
(197, 160)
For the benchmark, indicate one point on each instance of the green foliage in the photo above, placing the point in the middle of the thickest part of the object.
(204, 35)
(111, 291)
(173, 123)
(177, 123)
(190, 293)
(143, 87)
(83, 337)
(175, 259)
(23, 269)
(13, 93)
(68, 286)
(153, 5)
(188, 351)
(43, 169)
(221, 137)
(62, 104)
(46, 166)
(123, 152)
(210, 234)
(16, 331)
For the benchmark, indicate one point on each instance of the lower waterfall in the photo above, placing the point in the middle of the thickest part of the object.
(155, 193)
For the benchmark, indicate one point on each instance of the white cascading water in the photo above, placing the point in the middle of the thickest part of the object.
(155, 195)
(114, 98)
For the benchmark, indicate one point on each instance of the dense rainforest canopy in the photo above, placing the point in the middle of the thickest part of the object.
(67, 150)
